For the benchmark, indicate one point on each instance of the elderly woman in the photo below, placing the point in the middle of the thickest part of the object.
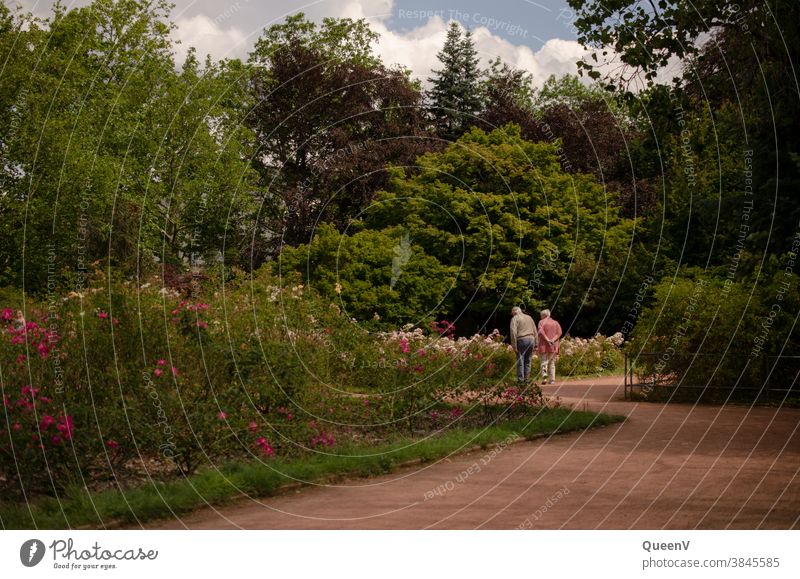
(523, 340)
(549, 346)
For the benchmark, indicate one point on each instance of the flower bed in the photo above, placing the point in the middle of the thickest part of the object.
(118, 378)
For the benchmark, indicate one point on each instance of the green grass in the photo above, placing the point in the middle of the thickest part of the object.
(217, 486)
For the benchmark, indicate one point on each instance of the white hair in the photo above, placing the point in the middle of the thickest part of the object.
(516, 310)
(545, 314)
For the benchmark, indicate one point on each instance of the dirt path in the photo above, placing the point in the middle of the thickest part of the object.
(667, 466)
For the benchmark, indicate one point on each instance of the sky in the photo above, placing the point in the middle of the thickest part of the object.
(534, 35)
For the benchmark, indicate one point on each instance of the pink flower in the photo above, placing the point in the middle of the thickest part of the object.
(456, 412)
(162, 362)
(102, 315)
(202, 324)
(265, 446)
(404, 346)
(46, 422)
(174, 371)
(421, 353)
(55, 439)
(65, 427)
(323, 439)
(157, 372)
(366, 402)
(16, 426)
(112, 444)
(434, 414)
(222, 415)
(21, 359)
(43, 350)
(8, 314)
(253, 427)
(419, 368)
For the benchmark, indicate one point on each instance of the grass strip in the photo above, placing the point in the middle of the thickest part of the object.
(219, 485)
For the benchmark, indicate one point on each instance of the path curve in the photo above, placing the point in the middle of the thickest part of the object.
(675, 466)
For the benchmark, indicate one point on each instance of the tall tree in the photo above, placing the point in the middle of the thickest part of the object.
(739, 54)
(328, 118)
(111, 154)
(455, 94)
(508, 98)
(598, 134)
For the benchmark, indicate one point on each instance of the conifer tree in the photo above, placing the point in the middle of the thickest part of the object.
(455, 95)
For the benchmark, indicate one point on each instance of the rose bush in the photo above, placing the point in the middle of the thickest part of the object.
(122, 377)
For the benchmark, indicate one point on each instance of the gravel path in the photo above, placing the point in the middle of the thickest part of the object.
(668, 466)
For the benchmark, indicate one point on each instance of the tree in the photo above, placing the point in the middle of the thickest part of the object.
(508, 98)
(598, 134)
(328, 119)
(455, 92)
(114, 155)
(504, 213)
(383, 275)
(741, 53)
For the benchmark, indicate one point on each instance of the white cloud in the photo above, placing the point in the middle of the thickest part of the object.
(417, 49)
(208, 37)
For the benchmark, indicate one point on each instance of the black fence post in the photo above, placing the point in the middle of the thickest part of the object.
(625, 386)
(766, 376)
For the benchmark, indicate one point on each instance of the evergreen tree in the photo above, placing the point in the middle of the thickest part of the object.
(455, 96)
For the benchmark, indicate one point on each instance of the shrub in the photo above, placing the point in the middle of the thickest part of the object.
(710, 333)
(99, 382)
(597, 355)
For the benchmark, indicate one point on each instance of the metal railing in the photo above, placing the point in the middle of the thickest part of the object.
(760, 377)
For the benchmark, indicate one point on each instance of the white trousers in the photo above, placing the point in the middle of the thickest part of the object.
(547, 360)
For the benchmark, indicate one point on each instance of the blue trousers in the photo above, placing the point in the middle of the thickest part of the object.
(524, 354)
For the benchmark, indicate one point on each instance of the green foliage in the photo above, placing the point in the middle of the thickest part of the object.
(702, 331)
(595, 356)
(455, 95)
(503, 212)
(568, 90)
(383, 274)
(340, 39)
(743, 73)
(328, 118)
(96, 381)
(113, 153)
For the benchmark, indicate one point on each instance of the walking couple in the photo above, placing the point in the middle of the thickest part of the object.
(525, 336)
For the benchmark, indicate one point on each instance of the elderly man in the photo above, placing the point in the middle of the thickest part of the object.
(549, 346)
(523, 340)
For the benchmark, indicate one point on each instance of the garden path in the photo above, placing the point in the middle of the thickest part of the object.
(668, 466)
